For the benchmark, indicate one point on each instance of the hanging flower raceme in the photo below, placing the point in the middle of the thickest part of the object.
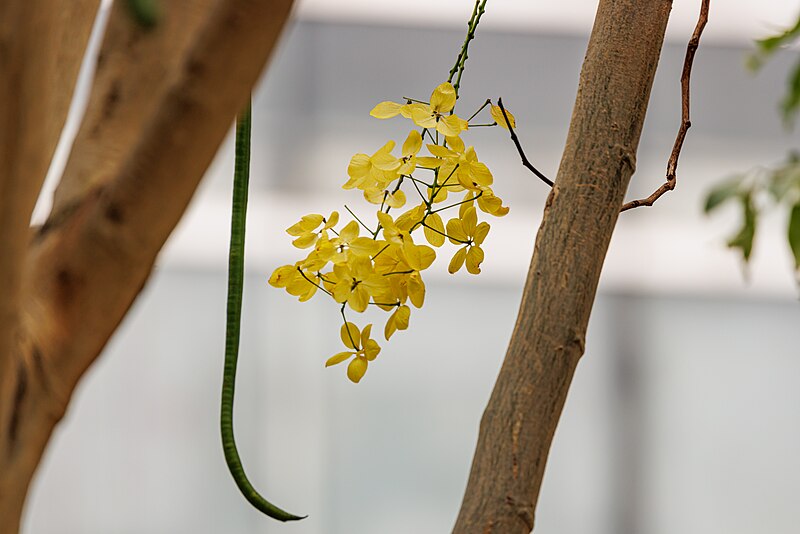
(383, 267)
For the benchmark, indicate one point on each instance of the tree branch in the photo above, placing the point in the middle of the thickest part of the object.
(599, 158)
(672, 164)
(41, 49)
(135, 67)
(88, 263)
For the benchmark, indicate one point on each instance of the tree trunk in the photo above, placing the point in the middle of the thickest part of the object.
(579, 216)
(162, 102)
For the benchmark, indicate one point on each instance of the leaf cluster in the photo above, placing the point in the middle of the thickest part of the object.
(756, 192)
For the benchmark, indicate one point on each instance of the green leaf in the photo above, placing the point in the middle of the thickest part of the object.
(146, 12)
(794, 234)
(721, 193)
(744, 239)
(772, 43)
(790, 104)
(785, 179)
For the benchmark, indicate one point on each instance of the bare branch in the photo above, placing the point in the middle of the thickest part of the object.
(672, 164)
(525, 163)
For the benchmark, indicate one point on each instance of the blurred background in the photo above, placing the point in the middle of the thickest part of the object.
(683, 415)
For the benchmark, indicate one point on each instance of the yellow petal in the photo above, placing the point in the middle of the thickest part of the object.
(411, 253)
(443, 98)
(412, 144)
(357, 369)
(455, 143)
(365, 332)
(428, 162)
(439, 196)
(390, 328)
(416, 290)
(396, 199)
(481, 231)
(386, 110)
(450, 125)
(349, 232)
(332, 220)
(402, 316)
(423, 116)
(305, 240)
(352, 340)
(307, 223)
(466, 204)
(489, 203)
(440, 151)
(341, 291)
(359, 166)
(374, 195)
(371, 349)
(474, 260)
(282, 276)
(434, 230)
(385, 220)
(457, 261)
(385, 161)
(455, 231)
(359, 298)
(338, 358)
(480, 173)
(469, 220)
(410, 218)
(426, 256)
(364, 246)
(300, 287)
(497, 115)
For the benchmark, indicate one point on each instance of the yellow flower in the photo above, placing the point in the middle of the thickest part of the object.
(397, 321)
(306, 229)
(466, 231)
(364, 348)
(464, 165)
(432, 115)
(411, 148)
(488, 202)
(376, 170)
(354, 281)
(299, 283)
(497, 115)
(417, 257)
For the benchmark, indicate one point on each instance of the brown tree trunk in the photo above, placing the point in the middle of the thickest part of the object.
(599, 158)
(161, 104)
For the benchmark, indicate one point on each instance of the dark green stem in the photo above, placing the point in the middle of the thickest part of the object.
(234, 317)
(472, 25)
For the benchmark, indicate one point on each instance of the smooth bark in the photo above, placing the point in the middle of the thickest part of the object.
(518, 425)
(85, 266)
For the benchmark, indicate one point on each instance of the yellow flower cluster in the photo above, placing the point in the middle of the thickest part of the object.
(384, 266)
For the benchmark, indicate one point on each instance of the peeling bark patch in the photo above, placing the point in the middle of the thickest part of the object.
(67, 284)
(488, 528)
(523, 511)
(114, 214)
(38, 366)
(19, 398)
(112, 99)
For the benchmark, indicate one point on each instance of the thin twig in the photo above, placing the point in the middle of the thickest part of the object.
(672, 164)
(527, 164)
